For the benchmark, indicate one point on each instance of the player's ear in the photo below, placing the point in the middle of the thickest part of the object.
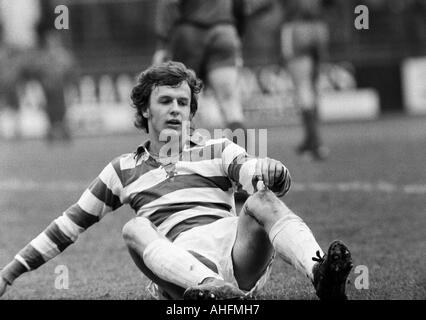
(145, 113)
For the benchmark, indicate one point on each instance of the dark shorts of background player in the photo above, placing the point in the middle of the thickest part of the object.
(204, 48)
(309, 39)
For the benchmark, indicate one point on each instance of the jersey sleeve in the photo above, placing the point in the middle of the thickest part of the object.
(101, 197)
(239, 166)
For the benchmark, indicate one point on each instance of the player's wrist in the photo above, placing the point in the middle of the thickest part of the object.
(12, 271)
(4, 280)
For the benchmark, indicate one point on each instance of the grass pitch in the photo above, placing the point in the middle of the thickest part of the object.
(371, 194)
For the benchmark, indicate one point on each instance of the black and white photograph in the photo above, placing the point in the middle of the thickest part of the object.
(235, 151)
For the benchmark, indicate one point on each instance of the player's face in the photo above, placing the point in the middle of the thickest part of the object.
(169, 108)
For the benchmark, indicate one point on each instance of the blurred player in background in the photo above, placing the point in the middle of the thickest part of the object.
(187, 237)
(203, 35)
(31, 49)
(304, 42)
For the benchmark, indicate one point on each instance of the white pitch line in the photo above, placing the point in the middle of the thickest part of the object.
(16, 185)
(29, 185)
(381, 187)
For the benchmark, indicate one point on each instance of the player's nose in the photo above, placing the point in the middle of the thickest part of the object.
(174, 106)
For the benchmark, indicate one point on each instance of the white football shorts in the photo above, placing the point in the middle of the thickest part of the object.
(214, 241)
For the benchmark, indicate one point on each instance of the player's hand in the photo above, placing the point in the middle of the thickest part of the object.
(275, 175)
(3, 286)
(160, 56)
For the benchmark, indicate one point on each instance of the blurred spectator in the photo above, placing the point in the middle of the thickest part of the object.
(304, 41)
(203, 35)
(31, 49)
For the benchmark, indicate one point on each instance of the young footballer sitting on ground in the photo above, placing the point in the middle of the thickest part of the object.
(186, 236)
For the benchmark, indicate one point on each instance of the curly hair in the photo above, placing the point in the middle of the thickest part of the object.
(170, 73)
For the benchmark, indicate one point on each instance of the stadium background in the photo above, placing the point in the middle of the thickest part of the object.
(374, 72)
(370, 193)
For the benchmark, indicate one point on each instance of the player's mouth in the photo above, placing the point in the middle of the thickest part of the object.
(174, 123)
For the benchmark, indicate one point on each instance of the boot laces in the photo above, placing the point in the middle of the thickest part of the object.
(318, 258)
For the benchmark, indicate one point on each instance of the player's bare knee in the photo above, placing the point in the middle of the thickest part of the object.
(127, 231)
(265, 207)
(257, 202)
(137, 231)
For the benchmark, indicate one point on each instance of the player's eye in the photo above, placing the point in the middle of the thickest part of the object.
(183, 102)
(165, 100)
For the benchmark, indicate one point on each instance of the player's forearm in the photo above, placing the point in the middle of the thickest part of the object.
(61, 233)
(95, 202)
(41, 249)
(247, 174)
(238, 165)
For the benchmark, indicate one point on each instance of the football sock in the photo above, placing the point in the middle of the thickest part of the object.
(176, 265)
(310, 119)
(294, 242)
